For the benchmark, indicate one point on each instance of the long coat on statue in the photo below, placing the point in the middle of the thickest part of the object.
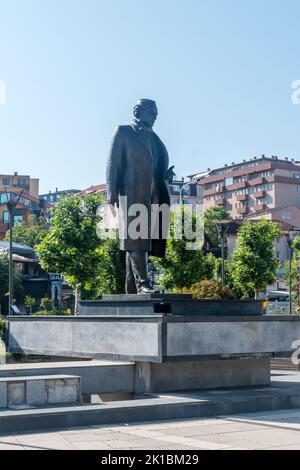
(137, 168)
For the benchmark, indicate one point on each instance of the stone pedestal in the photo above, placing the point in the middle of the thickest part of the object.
(175, 342)
(175, 304)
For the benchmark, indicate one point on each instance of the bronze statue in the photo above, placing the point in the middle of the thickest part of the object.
(138, 169)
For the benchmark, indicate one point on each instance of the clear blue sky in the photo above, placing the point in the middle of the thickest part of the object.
(220, 71)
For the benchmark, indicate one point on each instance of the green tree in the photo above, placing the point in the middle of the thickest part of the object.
(110, 276)
(254, 264)
(18, 288)
(295, 271)
(29, 302)
(182, 267)
(30, 233)
(211, 231)
(71, 246)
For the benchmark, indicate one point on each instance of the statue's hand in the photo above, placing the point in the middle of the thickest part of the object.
(113, 202)
(170, 174)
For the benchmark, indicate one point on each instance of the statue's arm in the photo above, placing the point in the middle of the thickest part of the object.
(114, 167)
(169, 173)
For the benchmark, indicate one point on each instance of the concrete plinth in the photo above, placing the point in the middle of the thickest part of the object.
(196, 375)
(176, 343)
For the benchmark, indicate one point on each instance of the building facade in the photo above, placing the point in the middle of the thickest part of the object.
(191, 193)
(29, 202)
(53, 197)
(252, 187)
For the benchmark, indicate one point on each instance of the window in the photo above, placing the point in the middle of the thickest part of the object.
(22, 182)
(6, 181)
(3, 198)
(18, 219)
(288, 215)
(283, 215)
(5, 217)
(228, 181)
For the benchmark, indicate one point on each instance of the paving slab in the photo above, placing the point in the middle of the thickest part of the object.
(151, 407)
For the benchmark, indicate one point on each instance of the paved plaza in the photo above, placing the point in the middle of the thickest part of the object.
(272, 430)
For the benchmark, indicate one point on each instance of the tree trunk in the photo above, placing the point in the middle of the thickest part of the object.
(257, 293)
(77, 299)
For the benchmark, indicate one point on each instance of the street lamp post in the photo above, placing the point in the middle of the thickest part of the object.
(11, 204)
(194, 180)
(289, 240)
(222, 227)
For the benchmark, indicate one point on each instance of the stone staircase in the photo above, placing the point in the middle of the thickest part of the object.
(284, 363)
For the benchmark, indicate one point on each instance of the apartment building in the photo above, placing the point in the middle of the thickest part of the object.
(29, 203)
(52, 197)
(16, 183)
(252, 187)
(191, 193)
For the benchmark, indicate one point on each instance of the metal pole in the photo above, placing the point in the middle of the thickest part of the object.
(11, 204)
(10, 266)
(223, 260)
(181, 190)
(290, 274)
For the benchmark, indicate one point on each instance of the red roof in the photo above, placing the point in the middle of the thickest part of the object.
(93, 189)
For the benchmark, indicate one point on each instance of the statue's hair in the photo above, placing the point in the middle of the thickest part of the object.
(142, 103)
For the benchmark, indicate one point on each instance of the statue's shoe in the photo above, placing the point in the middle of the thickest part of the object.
(146, 290)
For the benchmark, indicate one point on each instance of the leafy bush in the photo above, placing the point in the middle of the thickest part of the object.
(2, 327)
(50, 312)
(46, 303)
(209, 290)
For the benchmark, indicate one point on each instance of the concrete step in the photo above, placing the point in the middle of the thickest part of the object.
(39, 390)
(96, 376)
(284, 393)
(284, 363)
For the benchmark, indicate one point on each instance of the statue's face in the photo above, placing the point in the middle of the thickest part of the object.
(148, 115)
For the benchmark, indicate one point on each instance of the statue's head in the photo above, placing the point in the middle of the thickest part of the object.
(145, 111)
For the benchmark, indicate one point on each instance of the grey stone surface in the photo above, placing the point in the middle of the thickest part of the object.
(179, 405)
(114, 338)
(41, 390)
(46, 334)
(35, 392)
(150, 304)
(16, 393)
(231, 337)
(85, 338)
(62, 390)
(96, 376)
(154, 338)
(193, 375)
(3, 395)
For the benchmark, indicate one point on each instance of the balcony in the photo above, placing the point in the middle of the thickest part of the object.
(220, 202)
(259, 207)
(242, 210)
(235, 186)
(259, 194)
(243, 197)
(212, 191)
(257, 181)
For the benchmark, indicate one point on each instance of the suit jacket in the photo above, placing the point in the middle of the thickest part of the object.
(136, 172)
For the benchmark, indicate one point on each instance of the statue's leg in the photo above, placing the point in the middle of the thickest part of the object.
(130, 286)
(139, 264)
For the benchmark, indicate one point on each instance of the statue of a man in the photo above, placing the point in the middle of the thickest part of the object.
(138, 169)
